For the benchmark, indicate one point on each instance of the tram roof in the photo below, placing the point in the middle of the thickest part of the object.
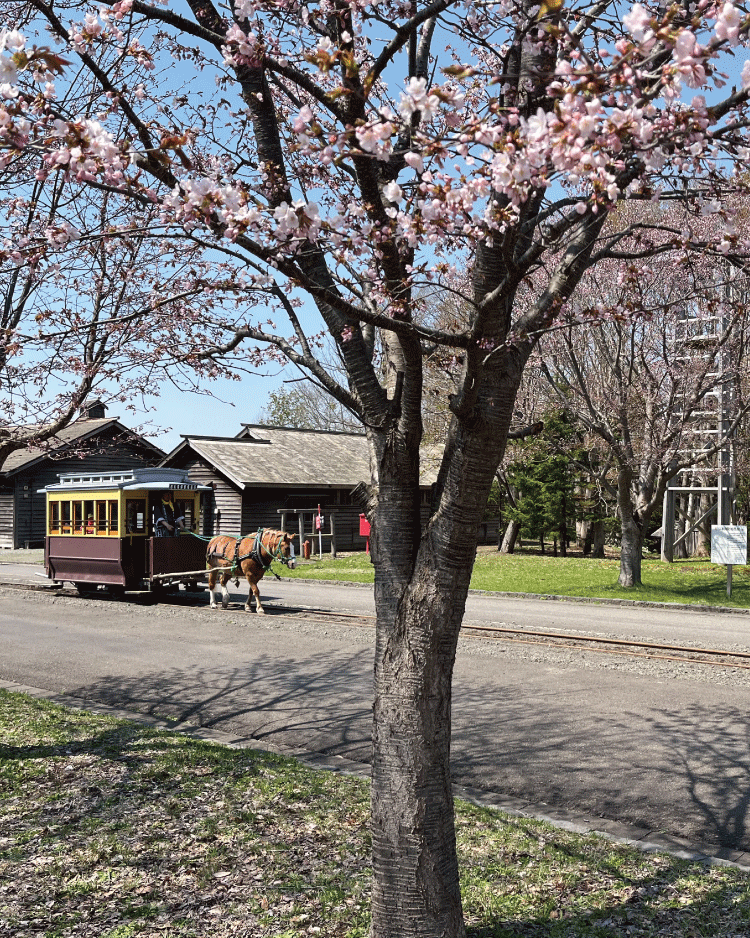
(148, 478)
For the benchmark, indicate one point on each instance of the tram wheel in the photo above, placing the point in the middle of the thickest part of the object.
(86, 589)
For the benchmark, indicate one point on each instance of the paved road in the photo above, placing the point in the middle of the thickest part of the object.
(660, 746)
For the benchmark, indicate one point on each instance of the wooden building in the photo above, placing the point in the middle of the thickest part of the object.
(92, 443)
(277, 476)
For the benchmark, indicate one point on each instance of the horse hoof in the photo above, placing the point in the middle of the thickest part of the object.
(260, 611)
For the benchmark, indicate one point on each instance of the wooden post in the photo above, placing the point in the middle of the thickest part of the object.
(333, 534)
(301, 528)
(283, 521)
(667, 527)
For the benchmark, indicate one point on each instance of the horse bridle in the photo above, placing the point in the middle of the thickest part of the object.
(258, 546)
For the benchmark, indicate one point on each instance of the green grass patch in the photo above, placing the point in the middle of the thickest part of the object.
(23, 555)
(694, 581)
(111, 829)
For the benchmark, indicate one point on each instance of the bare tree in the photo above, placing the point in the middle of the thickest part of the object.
(643, 393)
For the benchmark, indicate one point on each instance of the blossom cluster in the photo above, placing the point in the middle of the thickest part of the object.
(594, 124)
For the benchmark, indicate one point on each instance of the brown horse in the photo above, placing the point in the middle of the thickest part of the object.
(228, 557)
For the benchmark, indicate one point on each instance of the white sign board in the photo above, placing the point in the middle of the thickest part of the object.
(729, 544)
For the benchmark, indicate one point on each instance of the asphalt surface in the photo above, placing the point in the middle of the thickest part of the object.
(655, 753)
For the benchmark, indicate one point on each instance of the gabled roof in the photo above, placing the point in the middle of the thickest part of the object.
(282, 456)
(75, 433)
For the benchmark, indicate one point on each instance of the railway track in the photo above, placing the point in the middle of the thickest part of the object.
(687, 654)
(684, 654)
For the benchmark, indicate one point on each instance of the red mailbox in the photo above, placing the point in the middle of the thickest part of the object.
(364, 530)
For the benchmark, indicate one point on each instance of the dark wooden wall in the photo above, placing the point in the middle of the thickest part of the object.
(7, 516)
(229, 510)
(28, 511)
(222, 508)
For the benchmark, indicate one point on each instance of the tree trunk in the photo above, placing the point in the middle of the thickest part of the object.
(703, 540)
(631, 542)
(684, 518)
(631, 552)
(563, 535)
(510, 537)
(597, 538)
(421, 585)
(582, 527)
(415, 867)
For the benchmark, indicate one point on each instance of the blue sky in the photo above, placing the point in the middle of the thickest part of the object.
(182, 413)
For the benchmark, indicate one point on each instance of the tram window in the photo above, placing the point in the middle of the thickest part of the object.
(187, 510)
(135, 516)
(77, 517)
(101, 517)
(54, 517)
(88, 514)
(113, 524)
(65, 517)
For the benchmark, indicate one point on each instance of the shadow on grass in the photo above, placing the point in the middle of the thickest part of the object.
(121, 830)
(533, 882)
(577, 890)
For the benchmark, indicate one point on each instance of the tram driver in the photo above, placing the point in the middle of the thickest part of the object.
(169, 521)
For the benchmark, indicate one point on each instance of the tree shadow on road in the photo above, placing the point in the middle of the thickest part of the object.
(323, 704)
(685, 772)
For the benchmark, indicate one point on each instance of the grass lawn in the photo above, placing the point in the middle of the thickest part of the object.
(696, 581)
(111, 830)
(33, 555)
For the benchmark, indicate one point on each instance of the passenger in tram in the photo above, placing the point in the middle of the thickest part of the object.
(168, 520)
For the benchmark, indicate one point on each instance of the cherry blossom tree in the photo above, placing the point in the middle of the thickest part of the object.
(84, 313)
(647, 386)
(338, 157)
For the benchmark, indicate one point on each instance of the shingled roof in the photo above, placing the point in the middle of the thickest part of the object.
(66, 439)
(263, 456)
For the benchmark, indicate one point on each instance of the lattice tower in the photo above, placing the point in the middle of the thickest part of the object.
(699, 338)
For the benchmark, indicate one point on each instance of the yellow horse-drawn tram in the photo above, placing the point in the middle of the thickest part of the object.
(101, 530)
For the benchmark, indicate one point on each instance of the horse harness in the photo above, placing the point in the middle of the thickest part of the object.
(255, 553)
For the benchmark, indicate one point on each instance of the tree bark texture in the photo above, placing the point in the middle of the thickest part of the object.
(631, 541)
(598, 535)
(631, 553)
(420, 600)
